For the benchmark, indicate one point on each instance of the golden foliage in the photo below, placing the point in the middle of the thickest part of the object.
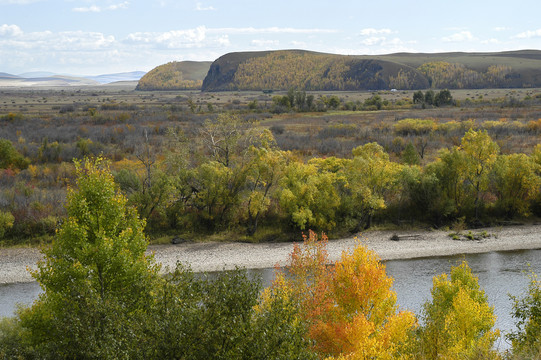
(442, 74)
(168, 77)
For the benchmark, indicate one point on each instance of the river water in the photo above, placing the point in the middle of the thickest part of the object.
(500, 274)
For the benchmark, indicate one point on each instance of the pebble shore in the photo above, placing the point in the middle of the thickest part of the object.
(15, 262)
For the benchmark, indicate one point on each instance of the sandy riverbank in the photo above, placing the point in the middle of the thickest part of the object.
(218, 256)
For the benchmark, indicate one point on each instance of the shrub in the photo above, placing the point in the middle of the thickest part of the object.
(6, 222)
(527, 310)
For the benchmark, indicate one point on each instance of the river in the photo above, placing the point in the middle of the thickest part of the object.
(500, 274)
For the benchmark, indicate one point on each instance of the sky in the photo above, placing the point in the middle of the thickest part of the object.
(93, 37)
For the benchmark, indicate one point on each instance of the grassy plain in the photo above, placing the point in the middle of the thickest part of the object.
(50, 127)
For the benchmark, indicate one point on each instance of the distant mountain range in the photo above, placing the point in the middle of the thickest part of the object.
(43, 79)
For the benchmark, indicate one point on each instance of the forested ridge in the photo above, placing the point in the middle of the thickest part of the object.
(305, 70)
(183, 75)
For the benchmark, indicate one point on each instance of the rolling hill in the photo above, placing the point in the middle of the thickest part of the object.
(111, 78)
(183, 75)
(284, 69)
(7, 80)
(44, 79)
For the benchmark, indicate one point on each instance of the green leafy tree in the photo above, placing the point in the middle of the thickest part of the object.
(371, 177)
(281, 103)
(480, 153)
(449, 176)
(418, 97)
(97, 281)
(527, 310)
(429, 97)
(216, 192)
(374, 102)
(458, 321)
(515, 183)
(443, 97)
(220, 316)
(309, 196)
(423, 192)
(264, 170)
(10, 157)
(410, 156)
(310, 101)
(6, 222)
(333, 102)
(300, 100)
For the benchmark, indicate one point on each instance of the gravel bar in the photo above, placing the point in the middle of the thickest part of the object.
(214, 256)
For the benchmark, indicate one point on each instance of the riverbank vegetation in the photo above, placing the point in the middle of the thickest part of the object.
(104, 299)
(258, 167)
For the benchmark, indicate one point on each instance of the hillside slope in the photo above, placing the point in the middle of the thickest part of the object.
(183, 75)
(284, 69)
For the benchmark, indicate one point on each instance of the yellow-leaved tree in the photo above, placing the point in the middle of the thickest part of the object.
(458, 321)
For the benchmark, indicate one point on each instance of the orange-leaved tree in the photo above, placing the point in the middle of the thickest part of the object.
(349, 309)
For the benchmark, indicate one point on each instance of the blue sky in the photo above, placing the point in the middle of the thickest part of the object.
(91, 37)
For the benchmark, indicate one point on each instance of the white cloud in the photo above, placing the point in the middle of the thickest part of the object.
(501, 28)
(459, 37)
(10, 30)
(298, 44)
(18, 2)
(373, 40)
(123, 5)
(223, 41)
(528, 34)
(57, 51)
(179, 39)
(92, 8)
(200, 7)
(69, 41)
(265, 43)
(96, 9)
(270, 30)
(490, 41)
(382, 42)
(372, 32)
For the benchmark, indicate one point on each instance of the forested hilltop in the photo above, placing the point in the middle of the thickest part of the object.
(175, 75)
(311, 71)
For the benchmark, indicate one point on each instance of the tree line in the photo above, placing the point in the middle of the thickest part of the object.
(232, 176)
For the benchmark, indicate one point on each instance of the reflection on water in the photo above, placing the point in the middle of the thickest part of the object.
(500, 274)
